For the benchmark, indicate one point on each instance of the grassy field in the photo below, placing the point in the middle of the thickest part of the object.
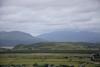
(57, 53)
(46, 58)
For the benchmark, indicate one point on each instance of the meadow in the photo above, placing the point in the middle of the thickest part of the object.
(63, 54)
(45, 58)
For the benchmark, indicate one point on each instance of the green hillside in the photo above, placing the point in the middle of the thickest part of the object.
(59, 46)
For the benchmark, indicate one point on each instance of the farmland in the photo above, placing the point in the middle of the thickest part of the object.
(49, 53)
(46, 58)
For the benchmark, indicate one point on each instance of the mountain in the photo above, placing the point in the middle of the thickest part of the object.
(71, 36)
(16, 37)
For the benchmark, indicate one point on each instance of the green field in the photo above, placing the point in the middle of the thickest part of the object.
(57, 53)
(46, 58)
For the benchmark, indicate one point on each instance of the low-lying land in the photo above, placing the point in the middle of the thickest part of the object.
(46, 58)
(49, 54)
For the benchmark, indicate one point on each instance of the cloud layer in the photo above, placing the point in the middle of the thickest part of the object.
(40, 16)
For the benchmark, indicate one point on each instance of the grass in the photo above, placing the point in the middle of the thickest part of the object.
(45, 58)
(41, 61)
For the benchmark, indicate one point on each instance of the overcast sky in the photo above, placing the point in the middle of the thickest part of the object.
(41, 16)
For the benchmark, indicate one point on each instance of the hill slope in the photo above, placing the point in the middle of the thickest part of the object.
(59, 46)
(71, 36)
(15, 37)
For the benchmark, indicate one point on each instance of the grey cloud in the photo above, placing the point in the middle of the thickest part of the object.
(47, 15)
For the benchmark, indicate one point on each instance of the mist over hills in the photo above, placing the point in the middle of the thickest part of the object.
(16, 37)
(71, 36)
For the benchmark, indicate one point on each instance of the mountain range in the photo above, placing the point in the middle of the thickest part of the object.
(14, 38)
(71, 36)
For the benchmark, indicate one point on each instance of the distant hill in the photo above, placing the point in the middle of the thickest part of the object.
(71, 36)
(59, 46)
(16, 37)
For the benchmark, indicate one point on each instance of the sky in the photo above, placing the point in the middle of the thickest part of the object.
(41, 16)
